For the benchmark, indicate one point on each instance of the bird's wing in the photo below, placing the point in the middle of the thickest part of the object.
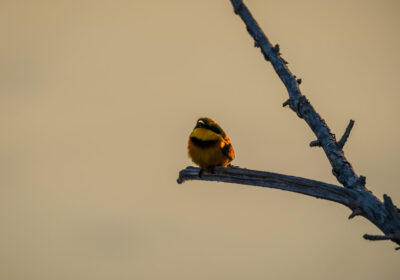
(227, 149)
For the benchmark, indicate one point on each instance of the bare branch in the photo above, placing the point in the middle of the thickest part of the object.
(361, 202)
(346, 134)
(341, 168)
(237, 175)
(386, 216)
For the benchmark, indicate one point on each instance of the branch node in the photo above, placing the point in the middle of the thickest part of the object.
(299, 81)
(256, 44)
(346, 134)
(315, 143)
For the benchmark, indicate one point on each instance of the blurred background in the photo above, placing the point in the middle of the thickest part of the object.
(97, 99)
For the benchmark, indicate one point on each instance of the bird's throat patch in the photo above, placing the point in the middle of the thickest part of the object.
(205, 134)
(203, 143)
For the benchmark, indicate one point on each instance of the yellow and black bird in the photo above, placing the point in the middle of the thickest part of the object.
(209, 146)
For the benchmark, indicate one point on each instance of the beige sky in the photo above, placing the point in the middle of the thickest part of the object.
(97, 99)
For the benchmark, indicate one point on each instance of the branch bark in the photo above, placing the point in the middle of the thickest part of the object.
(354, 194)
(341, 168)
(234, 174)
(361, 202)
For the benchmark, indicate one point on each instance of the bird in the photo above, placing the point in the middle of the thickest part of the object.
(209, 146)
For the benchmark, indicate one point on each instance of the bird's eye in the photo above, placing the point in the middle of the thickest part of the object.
(200, 123)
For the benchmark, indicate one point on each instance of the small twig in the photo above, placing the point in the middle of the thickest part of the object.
(382, 237)
(287, 102)
(315, 143)
(346, 134)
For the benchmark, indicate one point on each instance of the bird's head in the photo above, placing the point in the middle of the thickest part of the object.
(209, 124)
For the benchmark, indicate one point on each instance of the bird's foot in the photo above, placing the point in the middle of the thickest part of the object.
(208, 169)
(201, 172)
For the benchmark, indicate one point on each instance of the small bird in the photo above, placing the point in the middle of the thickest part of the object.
(209, 146)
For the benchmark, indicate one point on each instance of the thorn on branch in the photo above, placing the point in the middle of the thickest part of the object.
(356, 212)
(362, 180)
(287, 102)
(315, 143)
(256, 44)
(346, 134)
(299, 81)
(294, 106)
(276, 49)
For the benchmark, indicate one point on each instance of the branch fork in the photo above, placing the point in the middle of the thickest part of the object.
(353, 194)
